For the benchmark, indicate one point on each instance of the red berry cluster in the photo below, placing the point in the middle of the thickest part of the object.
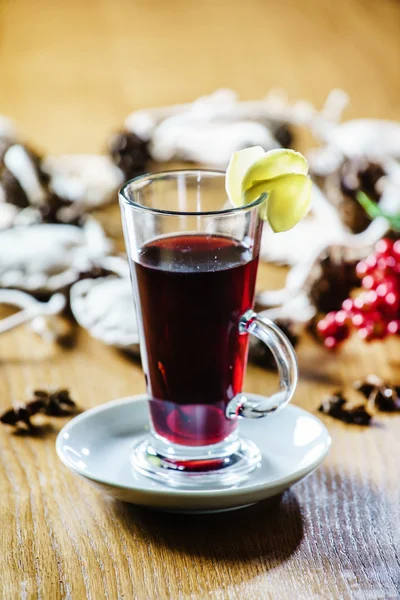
(375, 311)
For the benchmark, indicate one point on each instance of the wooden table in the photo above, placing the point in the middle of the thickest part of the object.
(69, 73)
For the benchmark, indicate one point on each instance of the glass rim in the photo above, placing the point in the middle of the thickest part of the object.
(137, 181)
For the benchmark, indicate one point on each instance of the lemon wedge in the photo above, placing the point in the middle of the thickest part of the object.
(288, 200)
(281, 175)
(238, 166)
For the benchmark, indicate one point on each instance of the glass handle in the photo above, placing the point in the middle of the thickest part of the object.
(285, 357)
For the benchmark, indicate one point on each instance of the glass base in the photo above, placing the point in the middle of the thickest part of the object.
(220, 465)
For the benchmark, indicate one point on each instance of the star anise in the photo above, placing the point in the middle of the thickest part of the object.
(337, 406)
(379, 394)
(53, 403)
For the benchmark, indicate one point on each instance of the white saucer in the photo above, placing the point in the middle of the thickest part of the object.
(97, 445)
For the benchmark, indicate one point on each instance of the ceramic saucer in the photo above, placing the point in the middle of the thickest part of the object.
(97, 445)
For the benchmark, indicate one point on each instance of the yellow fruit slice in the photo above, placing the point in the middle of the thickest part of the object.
(279, 175)
(274, 163)
(288, 200)
(237, 169)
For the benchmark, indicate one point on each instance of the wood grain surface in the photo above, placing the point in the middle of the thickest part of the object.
(69, 73)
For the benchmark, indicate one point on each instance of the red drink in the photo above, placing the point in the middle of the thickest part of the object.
(193, 290)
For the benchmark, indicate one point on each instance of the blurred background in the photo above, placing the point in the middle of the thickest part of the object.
(70, 72)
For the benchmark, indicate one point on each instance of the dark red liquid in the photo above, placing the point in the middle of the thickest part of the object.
(192, 292)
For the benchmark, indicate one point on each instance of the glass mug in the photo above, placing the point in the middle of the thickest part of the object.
(193, 262)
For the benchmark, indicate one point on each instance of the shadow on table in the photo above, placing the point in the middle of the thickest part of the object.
(272, 529)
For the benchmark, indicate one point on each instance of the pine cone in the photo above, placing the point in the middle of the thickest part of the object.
(341, 188)
(129, 153)
(13, 192)
(283, 134)
(338, 277)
